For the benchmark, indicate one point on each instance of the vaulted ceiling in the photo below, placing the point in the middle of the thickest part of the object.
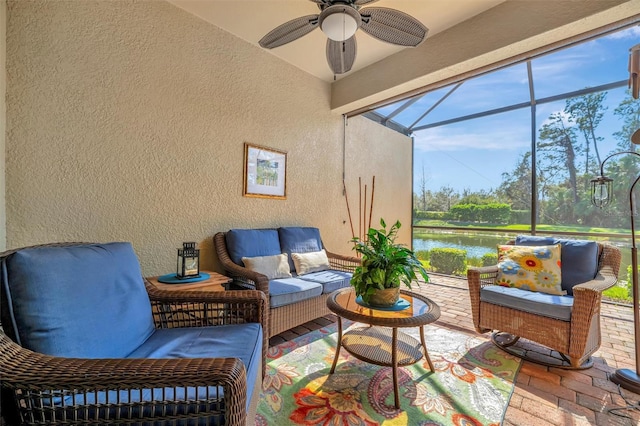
(464, 35)
(250, 20)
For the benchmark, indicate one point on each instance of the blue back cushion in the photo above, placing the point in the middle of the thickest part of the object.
(299, 239)
(251, 243)
(85, 301)
(579, 258)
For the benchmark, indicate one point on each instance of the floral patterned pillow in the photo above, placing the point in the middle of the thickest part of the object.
(533, 268)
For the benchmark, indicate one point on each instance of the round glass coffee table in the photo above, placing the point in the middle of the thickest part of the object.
(380, 342)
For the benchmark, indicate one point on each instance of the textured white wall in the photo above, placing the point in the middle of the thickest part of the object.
(115, 109)
(391, 167)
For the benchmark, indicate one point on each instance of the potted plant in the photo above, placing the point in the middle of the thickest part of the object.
(385, 266)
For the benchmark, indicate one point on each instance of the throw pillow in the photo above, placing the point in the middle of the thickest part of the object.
(276, 266)
(579, 258)
(533, 268)
(314, 261)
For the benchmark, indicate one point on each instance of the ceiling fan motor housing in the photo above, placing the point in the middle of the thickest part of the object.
(340, 21)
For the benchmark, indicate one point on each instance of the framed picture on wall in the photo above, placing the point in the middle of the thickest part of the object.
(265, 172)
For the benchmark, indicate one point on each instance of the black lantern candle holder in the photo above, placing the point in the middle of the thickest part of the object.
(188, 261)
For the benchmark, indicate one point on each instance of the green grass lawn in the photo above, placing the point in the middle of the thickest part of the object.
(523, 227)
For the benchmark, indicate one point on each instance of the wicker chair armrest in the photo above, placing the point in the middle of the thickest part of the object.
(36, 371)
(605, 279)
(260, 281)
(236, 297)
(484, 270)
(478, 277)
(586, 306)
(343, 263)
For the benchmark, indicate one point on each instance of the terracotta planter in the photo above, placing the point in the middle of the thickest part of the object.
(385, 298)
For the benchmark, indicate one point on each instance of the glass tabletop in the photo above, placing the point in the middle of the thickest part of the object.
(421, 310)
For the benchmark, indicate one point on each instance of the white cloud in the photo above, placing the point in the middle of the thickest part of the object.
(633, 32)
(557, 66)
(449, 139)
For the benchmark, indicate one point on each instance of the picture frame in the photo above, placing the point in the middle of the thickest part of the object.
(265, 172)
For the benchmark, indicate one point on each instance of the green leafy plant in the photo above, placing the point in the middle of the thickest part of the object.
(385, 264)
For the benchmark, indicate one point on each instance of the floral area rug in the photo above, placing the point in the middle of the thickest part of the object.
(472, 384)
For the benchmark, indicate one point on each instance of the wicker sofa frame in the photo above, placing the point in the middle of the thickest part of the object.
(289, 316)
(577, 339)
(31, 382)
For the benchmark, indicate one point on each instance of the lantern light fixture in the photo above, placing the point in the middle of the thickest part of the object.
(188, 261)
(601, 192)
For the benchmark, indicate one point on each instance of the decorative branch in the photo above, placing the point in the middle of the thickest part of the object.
(344, 187)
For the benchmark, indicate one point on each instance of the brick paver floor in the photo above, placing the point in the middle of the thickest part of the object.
(543, 395)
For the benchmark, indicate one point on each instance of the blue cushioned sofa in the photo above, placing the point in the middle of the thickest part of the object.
(88, 341)
(569, 324)
(292, 300)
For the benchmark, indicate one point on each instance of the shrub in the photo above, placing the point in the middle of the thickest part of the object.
(422, 254)
(617, 293)
(448, 260)
(630, 281)
(474, 261)
(490, 259)
(487, 213)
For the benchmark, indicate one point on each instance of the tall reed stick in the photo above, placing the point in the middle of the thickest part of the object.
(365, 229)
(344, 187)
(360, 207)
(373, 189)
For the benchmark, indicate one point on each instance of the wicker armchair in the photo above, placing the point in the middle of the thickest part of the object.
(281, 318)
(39, 388)
(574, 340)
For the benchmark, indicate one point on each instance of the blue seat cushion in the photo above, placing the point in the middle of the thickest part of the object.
(81, 301)
(243, 341)
(579, 258)
(548, 305)
(299, 239)
(330, 279)
(251, 243)
(285, 291)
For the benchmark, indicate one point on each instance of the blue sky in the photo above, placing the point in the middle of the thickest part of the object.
(473, 154)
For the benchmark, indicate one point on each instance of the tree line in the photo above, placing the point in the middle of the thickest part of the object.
(569, 153)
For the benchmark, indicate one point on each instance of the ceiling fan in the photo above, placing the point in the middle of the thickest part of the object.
(339, 20)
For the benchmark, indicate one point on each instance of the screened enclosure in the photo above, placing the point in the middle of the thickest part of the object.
(513, 151)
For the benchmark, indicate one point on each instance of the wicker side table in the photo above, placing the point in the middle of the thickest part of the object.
(380, 342)
(205, 315)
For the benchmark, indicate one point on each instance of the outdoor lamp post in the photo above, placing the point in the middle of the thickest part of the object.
(601, 191)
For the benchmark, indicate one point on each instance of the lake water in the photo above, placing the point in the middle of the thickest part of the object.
(476, 245)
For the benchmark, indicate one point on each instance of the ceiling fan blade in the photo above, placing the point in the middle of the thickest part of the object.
(341, 55)
(362, 2)
(289, 31)
(323, 2)
(393, 26)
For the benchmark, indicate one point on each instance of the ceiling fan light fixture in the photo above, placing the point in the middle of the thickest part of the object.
(339, 23)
